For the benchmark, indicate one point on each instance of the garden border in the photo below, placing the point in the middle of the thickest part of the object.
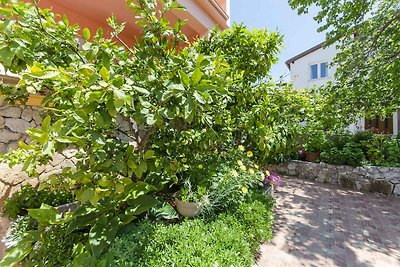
(384, 180)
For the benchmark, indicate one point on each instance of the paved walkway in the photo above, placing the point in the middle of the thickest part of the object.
(325, 225)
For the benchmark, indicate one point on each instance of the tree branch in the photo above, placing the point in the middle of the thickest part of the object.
(74, 49)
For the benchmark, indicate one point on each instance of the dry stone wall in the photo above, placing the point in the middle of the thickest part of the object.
(384, 180)
(14, 121)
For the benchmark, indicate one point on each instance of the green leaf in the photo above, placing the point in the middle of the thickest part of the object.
(86, 195)
(138, 189)
(199, 97)
(142, 168)
(47, 74)
(141, 204)
(86, 34)
(80, 116)
(141, 90)
(189, 110)
(67, 139)
(184, 78)
(164, 210)
(131, 164)
(105, 74)
(14, 255)
(149, 154)
(111, 108)
(82, 221)
(119, 98)
(48, 148)
(98, 138)
(46, 123)
(176, 87)
(85, 259)
(6, 56)
(196, 76)
(103, 119)
(45, 214)
(25, 146)
(150, 119)
(102, 234)
(167, 95)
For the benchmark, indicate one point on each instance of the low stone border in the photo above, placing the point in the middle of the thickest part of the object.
(384, 180)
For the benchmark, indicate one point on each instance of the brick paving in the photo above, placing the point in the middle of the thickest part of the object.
(326, 225)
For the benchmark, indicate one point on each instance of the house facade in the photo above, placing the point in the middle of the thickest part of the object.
(313, 68)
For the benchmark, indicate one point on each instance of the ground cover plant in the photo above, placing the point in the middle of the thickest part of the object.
(231, 238)
(142, 118)
(363, 148)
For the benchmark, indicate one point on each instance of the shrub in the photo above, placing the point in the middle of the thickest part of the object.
(231, 239)
(223, 182)
(362, 148)
(382, 150)
(32, 198)
(191, 243)
(133, 113)
(54, 248)
(350, 153)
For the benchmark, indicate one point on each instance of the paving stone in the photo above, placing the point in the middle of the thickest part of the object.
(365, 227)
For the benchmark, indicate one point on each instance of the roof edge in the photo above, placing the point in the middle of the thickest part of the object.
(302, 54)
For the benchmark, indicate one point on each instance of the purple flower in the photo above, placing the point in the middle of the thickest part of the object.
(272, 179)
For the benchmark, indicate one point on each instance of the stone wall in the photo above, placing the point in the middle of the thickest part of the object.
(384, 180)
(14, 121)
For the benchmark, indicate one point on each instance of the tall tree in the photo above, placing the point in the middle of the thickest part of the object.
(367, 35)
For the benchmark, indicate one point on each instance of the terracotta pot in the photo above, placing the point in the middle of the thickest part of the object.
(187, 209)
(312, 156)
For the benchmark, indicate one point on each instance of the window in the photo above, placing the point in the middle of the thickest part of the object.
(379, 125)
(324, 69)
(314, 71)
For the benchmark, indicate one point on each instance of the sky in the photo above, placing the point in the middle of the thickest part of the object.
(300, 32)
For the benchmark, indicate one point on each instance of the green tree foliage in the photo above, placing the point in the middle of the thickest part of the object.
(133, 112)
(367, 33)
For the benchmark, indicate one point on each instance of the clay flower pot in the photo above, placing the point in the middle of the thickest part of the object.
(187, 209)
(312, 156)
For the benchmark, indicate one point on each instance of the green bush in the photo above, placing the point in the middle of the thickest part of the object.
(54, 248)
(382, 150)
(133, 114)
(32, 198)
(362, 148)
(350, 153)
(229, 239)
(191, 243)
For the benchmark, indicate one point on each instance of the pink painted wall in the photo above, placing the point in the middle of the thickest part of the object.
(222, 4)
(92, 14)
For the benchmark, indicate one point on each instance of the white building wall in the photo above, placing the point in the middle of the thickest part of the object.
(300, 69)
(301, 78)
